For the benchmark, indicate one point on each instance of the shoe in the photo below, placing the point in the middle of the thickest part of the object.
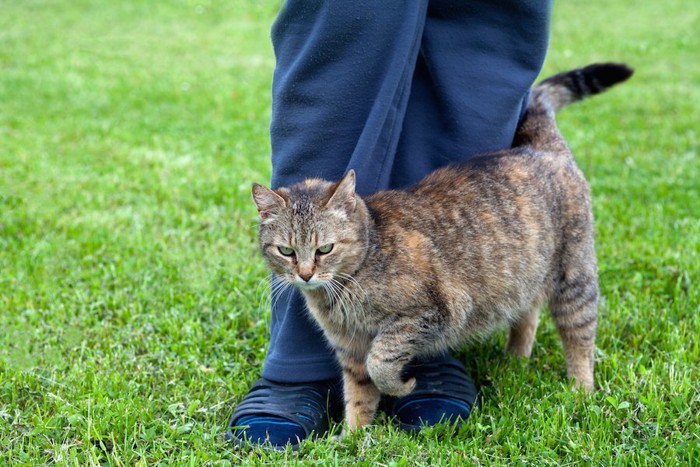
(444, 393)
(275, 415)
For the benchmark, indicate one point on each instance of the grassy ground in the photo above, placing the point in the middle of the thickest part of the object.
(132, 317)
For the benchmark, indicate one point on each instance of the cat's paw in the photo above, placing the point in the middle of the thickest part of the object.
(386, 376)
(396, 386)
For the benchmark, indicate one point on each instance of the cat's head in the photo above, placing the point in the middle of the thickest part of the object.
(313, 232)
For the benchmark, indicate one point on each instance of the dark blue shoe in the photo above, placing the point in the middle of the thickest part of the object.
(444, 393)
(275, 415)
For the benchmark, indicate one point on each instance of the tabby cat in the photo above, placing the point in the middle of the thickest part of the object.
(409, 273)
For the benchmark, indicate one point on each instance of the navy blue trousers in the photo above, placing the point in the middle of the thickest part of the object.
(393, 89)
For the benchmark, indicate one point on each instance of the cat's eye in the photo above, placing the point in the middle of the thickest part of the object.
(285, 250)
(322, 250)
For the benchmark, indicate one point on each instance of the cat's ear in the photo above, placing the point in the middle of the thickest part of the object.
(268, 202)
(344, 196)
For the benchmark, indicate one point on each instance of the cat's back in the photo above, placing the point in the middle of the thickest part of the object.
(486, 229)
(503, 187)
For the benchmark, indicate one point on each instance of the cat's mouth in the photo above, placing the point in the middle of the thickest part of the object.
(311, 284)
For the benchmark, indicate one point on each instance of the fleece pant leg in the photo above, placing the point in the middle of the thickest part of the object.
(393, 90)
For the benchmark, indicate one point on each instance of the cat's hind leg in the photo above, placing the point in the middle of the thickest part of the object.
(574, 309)
(522, 334)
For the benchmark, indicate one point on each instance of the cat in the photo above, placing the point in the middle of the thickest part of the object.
(410, 273)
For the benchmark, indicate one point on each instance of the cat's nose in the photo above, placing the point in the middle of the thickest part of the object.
(306, 276)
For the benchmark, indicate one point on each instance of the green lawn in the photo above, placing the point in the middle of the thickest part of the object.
(133, 312)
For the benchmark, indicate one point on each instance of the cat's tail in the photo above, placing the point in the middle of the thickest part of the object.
(568, 87)
(562, 89)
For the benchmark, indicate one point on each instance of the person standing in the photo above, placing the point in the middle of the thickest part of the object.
(393, 90)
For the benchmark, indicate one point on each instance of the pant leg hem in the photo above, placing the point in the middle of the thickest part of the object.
(300, 371)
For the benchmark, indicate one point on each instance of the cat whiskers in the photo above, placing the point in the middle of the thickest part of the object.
(360, 299)
(348, 301)
(360, 295)
(262, 292)
(278, 289)
(271, 289)
(340, 304)
(334, 293)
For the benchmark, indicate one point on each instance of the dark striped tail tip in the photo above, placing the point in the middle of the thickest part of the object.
(600, 76)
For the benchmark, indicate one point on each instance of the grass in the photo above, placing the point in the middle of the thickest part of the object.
(131, 312)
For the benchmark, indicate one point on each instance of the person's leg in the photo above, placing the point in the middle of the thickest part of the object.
(340, 90)
(393, 93)
(477, 62)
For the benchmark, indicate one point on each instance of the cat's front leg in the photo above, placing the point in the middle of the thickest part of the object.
(361, 396)
(395, 346)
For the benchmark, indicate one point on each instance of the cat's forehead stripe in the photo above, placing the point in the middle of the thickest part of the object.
(302, 207)
(305, 196)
